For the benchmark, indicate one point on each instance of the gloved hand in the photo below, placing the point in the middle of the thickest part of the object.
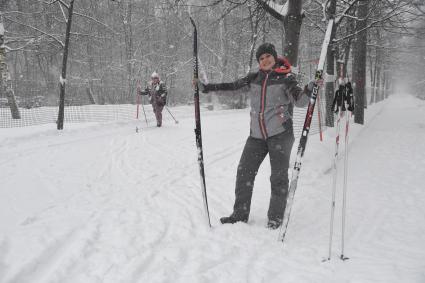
(202, 87)
(310, 86)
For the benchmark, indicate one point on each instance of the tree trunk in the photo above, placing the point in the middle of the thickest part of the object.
(5, 81)
(292, 25)
(129, 48)
(377, 87)
(62, 83)
(359, 64)
(373, 71)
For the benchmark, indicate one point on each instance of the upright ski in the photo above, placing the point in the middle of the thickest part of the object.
(304, 134)
(198, 134)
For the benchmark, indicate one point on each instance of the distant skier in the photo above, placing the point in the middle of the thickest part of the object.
(157, 92)
(273, 91)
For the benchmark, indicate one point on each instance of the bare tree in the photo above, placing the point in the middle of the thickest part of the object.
(359, 63)
(70, 9)
(5, 81)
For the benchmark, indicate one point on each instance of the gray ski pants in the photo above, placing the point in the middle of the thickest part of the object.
(279, 149)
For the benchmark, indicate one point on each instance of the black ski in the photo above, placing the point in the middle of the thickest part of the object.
(304, 134)
(198, 133)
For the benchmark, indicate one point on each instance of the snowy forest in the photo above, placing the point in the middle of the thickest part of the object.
(105, 47)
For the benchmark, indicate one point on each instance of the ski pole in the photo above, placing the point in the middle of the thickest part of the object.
(143, 108)
(171, 114)
(344, 192)
(334, 177)
(138, 103)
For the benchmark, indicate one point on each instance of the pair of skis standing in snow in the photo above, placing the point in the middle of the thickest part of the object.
(271, 130)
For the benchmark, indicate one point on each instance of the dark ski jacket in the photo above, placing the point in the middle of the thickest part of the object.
(272, 96)
(157, 93)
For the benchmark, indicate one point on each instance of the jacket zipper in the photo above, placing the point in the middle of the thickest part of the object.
(262, 107)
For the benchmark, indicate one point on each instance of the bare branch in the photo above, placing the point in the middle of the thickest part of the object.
(276, 10)
(374, 23)
(39, 30)
(96, 21)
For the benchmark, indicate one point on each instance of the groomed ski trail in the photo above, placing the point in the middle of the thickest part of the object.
(106, 204)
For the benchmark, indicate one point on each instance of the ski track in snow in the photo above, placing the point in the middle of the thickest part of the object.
(106, 204)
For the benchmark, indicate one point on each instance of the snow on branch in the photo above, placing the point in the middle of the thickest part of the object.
(63, 12)
(97, 21)
(29, 42)
(39, 30)
(276, 10)
(389, 15)
(60, 2)
(62, 81)
(346, 11)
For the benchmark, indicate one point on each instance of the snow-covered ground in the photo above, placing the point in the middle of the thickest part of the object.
(99, 202)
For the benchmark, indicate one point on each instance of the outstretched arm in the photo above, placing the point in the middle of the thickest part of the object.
(143, 92)
(231, 88)
(299, 96)
(238, 84)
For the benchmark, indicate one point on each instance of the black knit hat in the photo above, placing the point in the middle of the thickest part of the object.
(266, 48)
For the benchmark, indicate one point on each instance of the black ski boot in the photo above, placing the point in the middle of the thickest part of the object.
(233, 219)
(274, 224)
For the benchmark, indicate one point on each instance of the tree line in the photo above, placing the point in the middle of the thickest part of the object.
(77, 52)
